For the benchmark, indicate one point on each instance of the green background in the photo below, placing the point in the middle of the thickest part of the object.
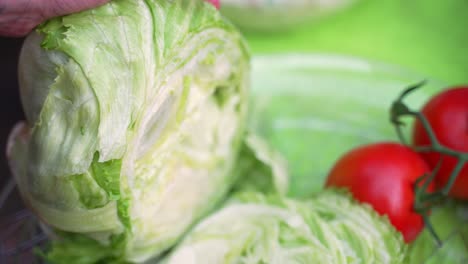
(426, 36)
(429, 36)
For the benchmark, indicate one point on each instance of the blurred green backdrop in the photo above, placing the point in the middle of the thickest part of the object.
(429, 36)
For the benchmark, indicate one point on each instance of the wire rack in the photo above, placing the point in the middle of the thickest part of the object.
(20, 233)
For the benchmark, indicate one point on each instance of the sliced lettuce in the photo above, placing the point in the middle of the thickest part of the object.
(257, 228)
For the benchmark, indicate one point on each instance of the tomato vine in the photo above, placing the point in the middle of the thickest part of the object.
(425, 200)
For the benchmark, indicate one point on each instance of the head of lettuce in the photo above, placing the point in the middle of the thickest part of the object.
(135, 113)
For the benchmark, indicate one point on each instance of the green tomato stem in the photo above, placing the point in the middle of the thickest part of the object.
(432, 137)
(453, 176)
(431, 229)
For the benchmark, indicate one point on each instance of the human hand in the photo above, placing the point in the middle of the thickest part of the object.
(19, 17)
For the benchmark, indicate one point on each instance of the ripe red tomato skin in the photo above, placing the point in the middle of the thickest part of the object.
(383, 175)
(447, 113)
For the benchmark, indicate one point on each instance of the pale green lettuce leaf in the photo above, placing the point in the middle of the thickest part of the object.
(260, 167)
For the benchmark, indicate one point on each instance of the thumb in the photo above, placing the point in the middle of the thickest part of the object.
(19, 17)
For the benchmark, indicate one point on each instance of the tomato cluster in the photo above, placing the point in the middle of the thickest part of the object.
(447, 113)
(386, 175)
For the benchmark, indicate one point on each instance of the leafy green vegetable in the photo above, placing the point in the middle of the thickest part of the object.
(328, 228)
(78, 249)
(450, 222)
(135, 117)
(261, 168)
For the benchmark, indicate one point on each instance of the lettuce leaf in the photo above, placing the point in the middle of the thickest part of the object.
(135, 117)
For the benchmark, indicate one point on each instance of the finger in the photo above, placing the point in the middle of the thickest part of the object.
(18, 17)
(54, 8)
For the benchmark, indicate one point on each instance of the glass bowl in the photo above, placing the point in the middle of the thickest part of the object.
(278, 15)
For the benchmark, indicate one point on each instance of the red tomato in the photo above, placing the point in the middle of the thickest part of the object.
(447, 113)
(383, 175)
